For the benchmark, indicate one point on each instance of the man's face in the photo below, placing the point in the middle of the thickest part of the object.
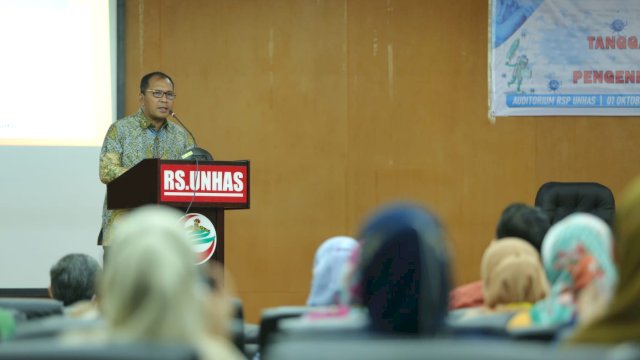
(157, 108)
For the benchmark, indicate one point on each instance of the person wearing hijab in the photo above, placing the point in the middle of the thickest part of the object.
(329, 268)
(577, 257)
(512, 273)
(621, 321)
(517, 220)
(512, 278)
(403, 271)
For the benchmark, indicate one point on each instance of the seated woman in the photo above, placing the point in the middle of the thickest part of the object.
(577, 257)
(329, 268)
(152, 291)
(403, 275)
(517, 220)
(512, 277)
(621, 320)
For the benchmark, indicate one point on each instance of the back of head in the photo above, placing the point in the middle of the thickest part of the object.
(524, 222)
(579, 247)
(512, 272)
(73, 278)
(404, 270)
(149, 290)
(329, 268)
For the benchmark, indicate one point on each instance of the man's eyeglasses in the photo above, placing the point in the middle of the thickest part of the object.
(159, 94)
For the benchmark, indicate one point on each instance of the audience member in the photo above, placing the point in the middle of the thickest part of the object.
(512, 274)
(329, 268)
(621, 321)
(517, 220)
(73, 280)
(577, 255)
(513, 279)
(152, 291)
(404, 271)
(524, 222)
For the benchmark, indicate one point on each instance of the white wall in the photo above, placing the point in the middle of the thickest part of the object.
(50, 205)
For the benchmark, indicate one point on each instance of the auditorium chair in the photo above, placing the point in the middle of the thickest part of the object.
(33, 308)
(270, 319)
(56, 350)
(244, 335)
(237, 324)
(559, 199)
(407, 348)
(52, 326)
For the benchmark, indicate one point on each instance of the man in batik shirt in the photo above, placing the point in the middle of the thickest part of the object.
(145, 134)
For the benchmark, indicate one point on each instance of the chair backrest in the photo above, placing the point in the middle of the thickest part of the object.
(356, 321)
(236, 333)
(272, 316)
(423, 348)
(52, 326)
(55, 350)
(238, 309)
(237, 324)
(559, 199)
(33, 308)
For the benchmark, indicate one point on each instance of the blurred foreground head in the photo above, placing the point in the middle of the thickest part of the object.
(150, 288)
(404, 270)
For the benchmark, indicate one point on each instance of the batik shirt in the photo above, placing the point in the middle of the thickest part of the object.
(131, 140)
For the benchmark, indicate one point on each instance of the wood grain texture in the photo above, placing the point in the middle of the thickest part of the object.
(343, 105)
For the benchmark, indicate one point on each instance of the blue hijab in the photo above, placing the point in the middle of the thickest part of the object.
(404, 271)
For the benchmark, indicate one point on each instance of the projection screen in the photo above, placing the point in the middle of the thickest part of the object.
(58, 98)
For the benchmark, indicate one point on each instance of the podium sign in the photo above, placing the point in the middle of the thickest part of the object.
(206, 188)
(203, 183)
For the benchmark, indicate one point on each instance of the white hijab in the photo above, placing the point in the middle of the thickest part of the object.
(329, 269)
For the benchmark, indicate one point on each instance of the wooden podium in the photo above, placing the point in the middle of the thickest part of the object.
(197, 188)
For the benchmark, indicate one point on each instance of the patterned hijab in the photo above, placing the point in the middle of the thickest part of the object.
(512, 273)
(404, 270)
(329, 269)
(621, 322)
(577, 252)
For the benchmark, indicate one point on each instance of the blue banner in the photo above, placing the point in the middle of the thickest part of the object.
(565, 57)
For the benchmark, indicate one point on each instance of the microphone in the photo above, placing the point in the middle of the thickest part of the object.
(195, 153)
(173, 115)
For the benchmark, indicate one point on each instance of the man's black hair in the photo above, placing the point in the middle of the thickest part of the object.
(144, 82)
(525, 222)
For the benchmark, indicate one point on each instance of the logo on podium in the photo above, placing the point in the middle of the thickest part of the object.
(202, 234)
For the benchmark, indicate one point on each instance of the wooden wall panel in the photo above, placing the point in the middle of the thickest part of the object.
(417, 120)
(264, 81)
(588, 149)
(343, 105)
